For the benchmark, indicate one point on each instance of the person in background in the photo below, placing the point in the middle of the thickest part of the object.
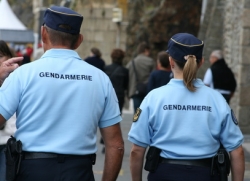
(219, 76)
(10, 127)
(39, 52)
(29, 50)
(26, 59)
(95, 59)
(163, 74)
(143, 65)
(118, 75)
(119, 78)
(5, 52)
(27, 53)
(18, 52)
(61, 101)
(9, 66)
(184, 123)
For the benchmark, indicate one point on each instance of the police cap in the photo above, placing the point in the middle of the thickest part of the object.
(63, 19)
(183, 44)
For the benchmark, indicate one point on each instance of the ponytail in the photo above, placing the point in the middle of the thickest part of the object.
(189, 72)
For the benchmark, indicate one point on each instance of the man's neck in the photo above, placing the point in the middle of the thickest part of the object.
(56, 47)
(165, 69)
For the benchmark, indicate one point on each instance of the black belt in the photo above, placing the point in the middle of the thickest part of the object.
(199, 162)
(38, 155)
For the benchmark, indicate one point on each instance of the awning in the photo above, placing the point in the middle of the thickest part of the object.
(8, 19)
(17, 36)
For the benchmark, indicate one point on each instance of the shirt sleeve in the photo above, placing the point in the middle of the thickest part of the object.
(140, 132)
(111, 114)
(208, 78)
(10, 94)
(231, 136)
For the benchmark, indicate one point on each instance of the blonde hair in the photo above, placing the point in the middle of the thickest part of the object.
(189, 72)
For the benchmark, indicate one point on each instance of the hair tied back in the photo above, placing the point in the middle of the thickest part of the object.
(189, 56)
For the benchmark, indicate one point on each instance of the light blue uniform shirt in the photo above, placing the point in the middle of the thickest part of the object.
(184, 124)
(60, 101)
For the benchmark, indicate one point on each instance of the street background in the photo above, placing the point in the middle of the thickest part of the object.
(125, 171)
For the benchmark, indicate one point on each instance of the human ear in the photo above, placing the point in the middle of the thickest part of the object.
(171, 62)
(201, 62)
(79, 41)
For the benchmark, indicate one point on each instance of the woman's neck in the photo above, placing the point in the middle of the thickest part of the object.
(178, 74)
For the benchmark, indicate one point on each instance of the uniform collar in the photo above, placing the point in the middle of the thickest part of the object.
(179, 82)
(61, 53)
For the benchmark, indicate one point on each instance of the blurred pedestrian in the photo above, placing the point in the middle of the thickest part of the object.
(9, 66)
(163, 74)
(118, 75)
(219, 76)
(95, 58)
(119, 78)
(5, 52)
(139, 70)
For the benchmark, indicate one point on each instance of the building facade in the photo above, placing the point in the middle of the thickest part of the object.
(226, 26)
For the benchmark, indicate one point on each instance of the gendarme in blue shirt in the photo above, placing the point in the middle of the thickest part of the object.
(60, 101)
(184, 124)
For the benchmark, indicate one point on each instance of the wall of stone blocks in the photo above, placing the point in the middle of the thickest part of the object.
(211, 31)
(226, 26)
(231, 35)
(244, 67)
(99, 31)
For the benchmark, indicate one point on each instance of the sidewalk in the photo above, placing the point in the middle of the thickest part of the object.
(246, 146)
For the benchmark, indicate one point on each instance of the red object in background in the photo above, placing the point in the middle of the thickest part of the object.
(29, 51)
(19, 54)
(39, 45)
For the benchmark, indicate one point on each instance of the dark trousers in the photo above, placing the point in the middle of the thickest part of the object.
(137, 100)
(121, 103)
(173, 172)
(227, 97)
(52, 169)
(2, 163)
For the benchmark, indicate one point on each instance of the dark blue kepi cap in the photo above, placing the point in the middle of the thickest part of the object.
(183, 44)
(63, 19)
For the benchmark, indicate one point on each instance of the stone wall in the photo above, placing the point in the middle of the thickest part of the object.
(211, 31)
(151, 21)
(237, 48)
(231, 35)
(98, 29)
(226, 26)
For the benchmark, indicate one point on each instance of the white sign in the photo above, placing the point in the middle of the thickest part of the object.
(117, 15)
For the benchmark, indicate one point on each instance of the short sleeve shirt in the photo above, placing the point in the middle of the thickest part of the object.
(208, 78)
(60, 101)
(184, 124)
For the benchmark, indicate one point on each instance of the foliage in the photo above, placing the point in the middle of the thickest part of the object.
(156, 21)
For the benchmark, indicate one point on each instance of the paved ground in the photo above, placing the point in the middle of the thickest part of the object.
(125, 172)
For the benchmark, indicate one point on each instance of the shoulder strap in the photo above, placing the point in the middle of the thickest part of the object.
(136, 76)
(114, 71)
